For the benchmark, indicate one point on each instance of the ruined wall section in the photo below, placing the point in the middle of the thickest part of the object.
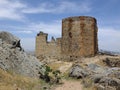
(41, 43)
(79, 39)
(51, 49)
(79, 36)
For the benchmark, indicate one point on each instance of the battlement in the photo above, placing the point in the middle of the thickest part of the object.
(45, 48)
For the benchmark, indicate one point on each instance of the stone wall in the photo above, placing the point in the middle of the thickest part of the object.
(47, 49)
(79, 39)
(41, 42)
(79, 36)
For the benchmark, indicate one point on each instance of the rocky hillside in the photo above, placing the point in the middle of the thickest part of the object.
(101, 72)
(14, 59)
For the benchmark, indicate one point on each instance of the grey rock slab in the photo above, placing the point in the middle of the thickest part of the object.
(16, 60)
(78, 72)
(96, 68)
(8, 37)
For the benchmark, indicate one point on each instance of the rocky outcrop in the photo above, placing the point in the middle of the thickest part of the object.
(103, 77)
(78, 72)
(95, 68)
(10, 39)
(112, 62)
(12, 58)
(109, 79)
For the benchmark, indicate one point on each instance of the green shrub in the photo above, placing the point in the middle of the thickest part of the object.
(51, 76)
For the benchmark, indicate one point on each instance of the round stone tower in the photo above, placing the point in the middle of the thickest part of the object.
(79, 36)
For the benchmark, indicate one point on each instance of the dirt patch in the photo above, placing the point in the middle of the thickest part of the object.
(70, 85)
(65, 67)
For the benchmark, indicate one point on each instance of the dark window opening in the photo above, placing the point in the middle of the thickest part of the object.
(70, 34)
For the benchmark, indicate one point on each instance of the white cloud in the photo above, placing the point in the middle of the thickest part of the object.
(16, 10)
(24, 32)
(10, 9)
(61, 7)
(41, 9)
(50, 28)
(109, 39)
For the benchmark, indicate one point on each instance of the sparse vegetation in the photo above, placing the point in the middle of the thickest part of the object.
(13, 81)
(51, 76)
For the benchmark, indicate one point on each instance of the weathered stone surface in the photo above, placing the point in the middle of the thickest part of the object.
(109, 81)
(79, 36)
(112, 62)
(79, 39)
(8, 37)
(96, 68)
(45, 49)
(97, 77)
(15, 60)
(113, 72)
(106, 78)
(101, 87)
(78, 72)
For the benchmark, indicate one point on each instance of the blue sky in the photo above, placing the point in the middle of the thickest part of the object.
(25, 18)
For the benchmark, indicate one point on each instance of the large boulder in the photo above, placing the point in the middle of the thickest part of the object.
(101, 87)
(94, 68)
(109, 80)
(113, 72)
(78, 72)
(16, 60)
(107, 83)
(8, 37)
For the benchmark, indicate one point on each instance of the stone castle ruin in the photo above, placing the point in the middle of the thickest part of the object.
(79, 39)
(45, 48)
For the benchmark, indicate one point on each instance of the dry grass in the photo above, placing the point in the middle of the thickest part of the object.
(60, 65)
(90, 88)
(56, 65)
(10, 81)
